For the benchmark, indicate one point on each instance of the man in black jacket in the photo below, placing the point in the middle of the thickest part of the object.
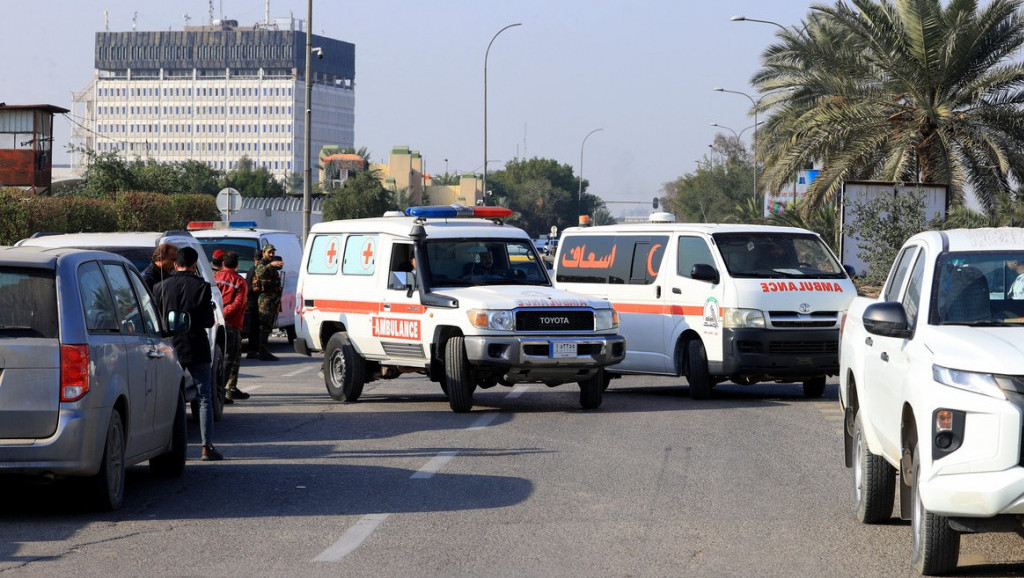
(186, 291)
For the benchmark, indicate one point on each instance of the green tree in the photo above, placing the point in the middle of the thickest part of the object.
(361, 196)
(721, 190)
(105, 174)
(883, 224)
(252, 181)
(897, 90)
(541, 193)
(821, 220)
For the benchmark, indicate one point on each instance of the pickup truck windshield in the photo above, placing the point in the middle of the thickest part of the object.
(777, 255)
(474, 262)
(976, 288)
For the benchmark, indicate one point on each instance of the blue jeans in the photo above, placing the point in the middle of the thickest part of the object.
(203, 373)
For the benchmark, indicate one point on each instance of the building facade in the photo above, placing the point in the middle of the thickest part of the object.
(215, 94)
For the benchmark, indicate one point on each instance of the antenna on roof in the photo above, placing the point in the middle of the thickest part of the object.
(106, 21)
(212, 13)
(135, 16)
(187, 19)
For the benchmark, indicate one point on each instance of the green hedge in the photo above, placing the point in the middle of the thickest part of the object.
(21, 215)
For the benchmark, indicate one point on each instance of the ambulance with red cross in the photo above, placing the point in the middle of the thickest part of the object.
(713, 302)
(452, 293)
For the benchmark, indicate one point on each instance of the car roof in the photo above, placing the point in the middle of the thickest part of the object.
(131, 239)
(237, 233)
(971, 240)
(48, 256)
(434, 228)
(705, 228)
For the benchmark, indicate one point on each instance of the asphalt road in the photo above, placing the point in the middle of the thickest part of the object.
(749, 483)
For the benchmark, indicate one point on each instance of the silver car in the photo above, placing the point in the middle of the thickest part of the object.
(89, 382)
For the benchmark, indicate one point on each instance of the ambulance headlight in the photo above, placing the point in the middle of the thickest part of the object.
(744, 318)
(501, 319)
(605, 319)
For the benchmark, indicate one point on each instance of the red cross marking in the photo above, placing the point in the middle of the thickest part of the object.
(331, 252)
(367, 253)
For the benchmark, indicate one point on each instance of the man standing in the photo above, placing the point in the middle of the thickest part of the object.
(161, 266)
(1017, 288)
(252, 324)
(234, 291)
(185, 291)
(268, 282)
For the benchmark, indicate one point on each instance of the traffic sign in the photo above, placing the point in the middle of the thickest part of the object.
(229, 201)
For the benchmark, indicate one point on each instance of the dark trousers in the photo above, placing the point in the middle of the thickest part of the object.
(252, 329)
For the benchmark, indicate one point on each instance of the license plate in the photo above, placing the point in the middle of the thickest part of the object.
(560, 349)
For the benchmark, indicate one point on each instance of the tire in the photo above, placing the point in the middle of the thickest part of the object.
(344, 369)
(814, 387)
(592, 390)
(457, 375)
(172, 463)
(107, 486)
(934, 546)
(218, 392)
(697, 374)
(874, 480)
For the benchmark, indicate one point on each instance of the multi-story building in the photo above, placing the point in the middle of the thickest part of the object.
(215, 94)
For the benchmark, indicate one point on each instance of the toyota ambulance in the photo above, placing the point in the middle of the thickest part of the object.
(450, 292)
(712, 302)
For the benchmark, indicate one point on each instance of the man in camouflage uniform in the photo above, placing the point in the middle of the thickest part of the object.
(268, 282)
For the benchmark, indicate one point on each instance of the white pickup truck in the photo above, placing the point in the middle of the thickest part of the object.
(932, 384)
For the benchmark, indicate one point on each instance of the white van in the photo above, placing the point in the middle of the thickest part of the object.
(462, 299)
(746, 303)
(244, 237)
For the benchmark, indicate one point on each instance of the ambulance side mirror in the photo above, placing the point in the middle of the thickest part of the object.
(704, 272)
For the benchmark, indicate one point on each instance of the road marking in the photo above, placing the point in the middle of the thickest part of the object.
(352, 538)
(483, 421)
(299, 371)
(434, 465)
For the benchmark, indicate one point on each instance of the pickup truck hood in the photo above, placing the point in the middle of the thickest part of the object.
(518, 296)
(997, 350)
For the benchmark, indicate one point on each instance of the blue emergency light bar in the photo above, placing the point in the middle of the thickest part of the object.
(458, 211)
(202, 225)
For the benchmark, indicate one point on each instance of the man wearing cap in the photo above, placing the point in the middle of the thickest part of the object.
(268, 282)
(234, 290)
(217, 260)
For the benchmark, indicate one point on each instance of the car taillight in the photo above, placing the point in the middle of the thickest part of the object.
(74, 372)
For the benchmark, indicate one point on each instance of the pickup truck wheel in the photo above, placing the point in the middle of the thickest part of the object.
(172, 463)
(874, 480)
(591, 390)
(697, 374)
(344, 369)
(457, 375)
(107, 486)
(814, 387)
(935, 547)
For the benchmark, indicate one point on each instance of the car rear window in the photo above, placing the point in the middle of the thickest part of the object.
(28, 303)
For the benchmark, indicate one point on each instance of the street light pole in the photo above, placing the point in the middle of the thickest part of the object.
(745, 19)
(486, 54)
(307, 134)
(579, 206)
(754, 103)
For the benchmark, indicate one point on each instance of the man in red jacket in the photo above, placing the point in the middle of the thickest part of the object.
(234, 291)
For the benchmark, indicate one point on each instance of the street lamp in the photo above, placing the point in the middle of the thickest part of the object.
(754, 133)
(486, 54)
(745, 19)
(579, 205)
(307, 134)
(737, 135)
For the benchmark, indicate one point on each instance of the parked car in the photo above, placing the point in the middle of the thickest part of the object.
(138, 249)
(89, 382)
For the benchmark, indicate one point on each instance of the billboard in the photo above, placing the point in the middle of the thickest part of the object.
(776, 203)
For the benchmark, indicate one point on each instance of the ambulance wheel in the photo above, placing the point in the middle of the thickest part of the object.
(697, 374)
(814, 387)
(591, 390)
(457, 375)
(344, 369)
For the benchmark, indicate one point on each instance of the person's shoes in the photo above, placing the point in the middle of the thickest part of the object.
(211, 455)
(235, 393)
(228, 400)
(252, 355)
(268, 357)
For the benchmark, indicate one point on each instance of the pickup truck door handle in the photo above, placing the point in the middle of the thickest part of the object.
(885, 356)
(869, 342)
(677, 290)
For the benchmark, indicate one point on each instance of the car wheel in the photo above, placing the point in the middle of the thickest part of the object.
(219, 383)
(935, 547)
(697, 374)
(874, 480)
(172, 463)
(344, 369)
(107, 486)
(814, 387)
(592, 389)
(457, 375)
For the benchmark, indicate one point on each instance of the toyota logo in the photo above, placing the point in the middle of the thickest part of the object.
(805, 308)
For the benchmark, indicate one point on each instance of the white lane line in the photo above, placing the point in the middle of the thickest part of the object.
(352, 538)
(483, 421)
(299, 371)
(249, 388)
(434, 465)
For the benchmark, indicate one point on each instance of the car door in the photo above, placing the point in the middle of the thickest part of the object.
(398, 326)
(137, 348)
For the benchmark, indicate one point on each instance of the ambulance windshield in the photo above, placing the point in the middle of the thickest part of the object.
(775, 255)
(473, 262)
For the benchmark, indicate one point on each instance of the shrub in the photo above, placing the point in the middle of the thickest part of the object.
(138, 211)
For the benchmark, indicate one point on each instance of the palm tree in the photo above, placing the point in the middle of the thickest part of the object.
(897, 90)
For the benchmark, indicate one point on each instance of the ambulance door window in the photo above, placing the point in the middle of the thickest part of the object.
(692, 250)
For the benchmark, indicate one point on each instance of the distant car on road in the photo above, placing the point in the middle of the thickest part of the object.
(89, 384)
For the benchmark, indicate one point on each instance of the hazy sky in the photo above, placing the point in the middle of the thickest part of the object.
(643, 71)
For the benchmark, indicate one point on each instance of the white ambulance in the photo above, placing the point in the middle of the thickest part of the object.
(450, 292)
(746, 303)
